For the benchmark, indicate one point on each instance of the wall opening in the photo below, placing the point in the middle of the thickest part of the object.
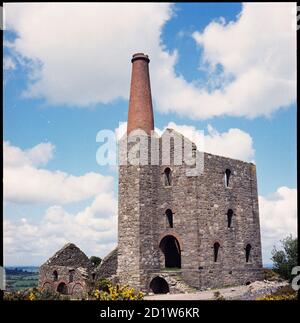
(169, 245)
(248, 251)
(62, 288)
(227, 177)
(55, 275)
(71, 275)
(168, 176)
(229, 218)
(216, 251)
(169, 216)
(159, 285)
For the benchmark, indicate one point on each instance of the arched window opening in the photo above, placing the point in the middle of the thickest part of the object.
(169, 245)
(227, 177)
(62, 288)
(55, 276)
(168, 176)
(248, 251)
(229, 218)
(93, 276)
(216, 251)
(159, 285)
(71, 275)
(169, 216)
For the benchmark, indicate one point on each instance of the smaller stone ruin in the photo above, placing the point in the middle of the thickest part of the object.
(68, 272)
(108, 267)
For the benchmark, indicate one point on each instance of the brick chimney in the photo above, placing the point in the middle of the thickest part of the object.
(140, 112)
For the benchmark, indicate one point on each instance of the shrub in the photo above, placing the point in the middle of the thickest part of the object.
(32, 294)
(116, 292)
(96, 261)
(284, 260)
(103, 284)
(271, 275)
(218, 296)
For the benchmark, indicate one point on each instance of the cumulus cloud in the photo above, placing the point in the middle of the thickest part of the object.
(94, 230)
(234, 143)
(36, 156)
(256, 53)
(97, 39)
(25, 182)
(278, 218)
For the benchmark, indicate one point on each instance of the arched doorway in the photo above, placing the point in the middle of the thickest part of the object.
(169, 245)
(159, 285)
(62, 288)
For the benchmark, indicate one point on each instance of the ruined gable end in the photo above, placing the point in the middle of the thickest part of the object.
(68, 272)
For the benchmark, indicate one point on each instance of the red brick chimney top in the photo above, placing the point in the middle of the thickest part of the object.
(140, 112)
(140, 56)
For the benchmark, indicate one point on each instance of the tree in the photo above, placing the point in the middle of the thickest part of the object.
(284, 260)
(95, 261)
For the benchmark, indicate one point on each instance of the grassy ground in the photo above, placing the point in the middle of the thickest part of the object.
(21, 281)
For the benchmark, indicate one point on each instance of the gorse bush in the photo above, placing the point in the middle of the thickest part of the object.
(116, 292)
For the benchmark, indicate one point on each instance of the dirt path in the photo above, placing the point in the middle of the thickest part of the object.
(249, 292)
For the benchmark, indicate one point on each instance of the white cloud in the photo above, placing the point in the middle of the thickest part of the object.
(82, 51)
(8, 63)
(278, 218)
(234, 143)
(36, 156)
(94, 230)
(24, 182)
(257, 52)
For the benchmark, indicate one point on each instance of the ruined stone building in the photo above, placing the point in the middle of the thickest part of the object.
(68, 272)
(177, 229)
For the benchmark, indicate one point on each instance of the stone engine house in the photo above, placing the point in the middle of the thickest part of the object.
(177, 230)
(183, 231)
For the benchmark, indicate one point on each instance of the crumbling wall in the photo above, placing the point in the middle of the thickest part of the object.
(108, 266)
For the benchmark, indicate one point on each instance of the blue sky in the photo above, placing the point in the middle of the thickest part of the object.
(45, 102)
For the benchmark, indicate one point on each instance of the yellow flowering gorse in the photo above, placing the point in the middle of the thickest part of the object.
(116, 292)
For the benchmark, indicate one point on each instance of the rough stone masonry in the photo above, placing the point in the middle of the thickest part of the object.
(201, 230)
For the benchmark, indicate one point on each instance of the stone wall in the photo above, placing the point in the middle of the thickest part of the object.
(108, 265)
(199, 205)
(69, 271)
(79, 284)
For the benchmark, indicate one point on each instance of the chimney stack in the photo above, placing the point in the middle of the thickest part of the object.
(140, 112)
